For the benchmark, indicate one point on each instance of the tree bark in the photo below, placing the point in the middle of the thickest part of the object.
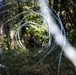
(20, 10)
(12, 39)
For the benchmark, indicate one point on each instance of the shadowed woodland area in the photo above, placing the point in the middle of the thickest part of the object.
(24, 38)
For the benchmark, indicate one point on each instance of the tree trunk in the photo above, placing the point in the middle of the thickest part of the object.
(2, 20)
(12, 39)
(1, 31)
(21, 17)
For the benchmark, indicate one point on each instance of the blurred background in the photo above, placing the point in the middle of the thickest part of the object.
(24, 38)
